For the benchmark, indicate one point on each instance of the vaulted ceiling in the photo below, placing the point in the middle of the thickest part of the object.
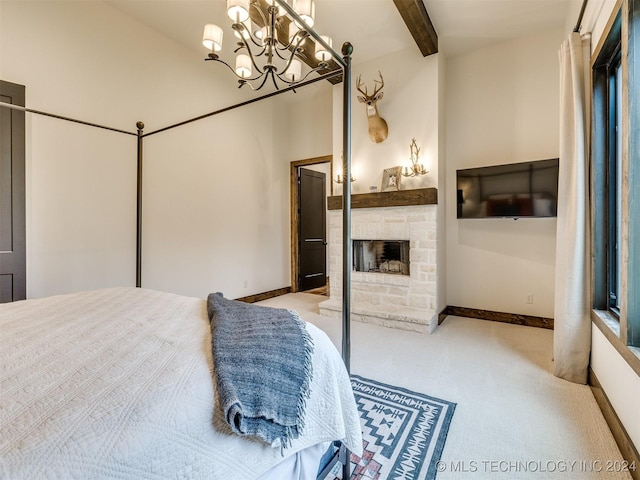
(374, 27)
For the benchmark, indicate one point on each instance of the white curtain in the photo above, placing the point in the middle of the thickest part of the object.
(572, 323)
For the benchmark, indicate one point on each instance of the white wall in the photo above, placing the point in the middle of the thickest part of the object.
(89, 61)
(502, 107)
(217, 207)
(619, 381)
(307, 132)
(80, 194)
(410, 108)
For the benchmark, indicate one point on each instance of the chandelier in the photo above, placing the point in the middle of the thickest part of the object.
(416, 168)
(269, 44)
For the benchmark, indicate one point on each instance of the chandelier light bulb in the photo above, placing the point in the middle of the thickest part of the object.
(322, 53)
(294, 72)
(306, 9)
(263, 36)
(293, 30)
(212, 37)
(258, 32)
(246, 32)
(243, 66)
(238, 10)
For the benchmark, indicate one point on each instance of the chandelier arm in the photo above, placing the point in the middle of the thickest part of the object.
(240, 28)
(247, 81)
(242, 45)
(298, 39)
(253, 60)
(288, 64)
(243, 42)
(283, 79)
(232, 69)
(216, 59)
(277, 51)
(273, 77)
(257, 44)
(293, 49)
(264, 80)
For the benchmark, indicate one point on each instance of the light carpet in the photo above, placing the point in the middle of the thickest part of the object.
(514, 419)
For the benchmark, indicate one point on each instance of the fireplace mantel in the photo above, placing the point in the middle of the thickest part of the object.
(398, 198)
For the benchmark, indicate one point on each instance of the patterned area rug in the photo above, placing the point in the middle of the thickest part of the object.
(403, 432)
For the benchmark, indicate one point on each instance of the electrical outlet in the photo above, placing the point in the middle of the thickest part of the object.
(529, 298)
(245, 284)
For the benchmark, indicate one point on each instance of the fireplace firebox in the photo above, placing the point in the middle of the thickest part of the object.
(381, 256)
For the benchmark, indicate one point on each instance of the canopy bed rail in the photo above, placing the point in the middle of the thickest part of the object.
(325, 76)
(61, 117)
(341, 454)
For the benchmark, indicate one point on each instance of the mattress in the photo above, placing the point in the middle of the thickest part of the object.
(118, 383)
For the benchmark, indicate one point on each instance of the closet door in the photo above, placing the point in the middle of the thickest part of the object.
(12, 195)
(312, 262)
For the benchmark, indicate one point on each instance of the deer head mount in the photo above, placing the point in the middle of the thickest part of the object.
(378, 129)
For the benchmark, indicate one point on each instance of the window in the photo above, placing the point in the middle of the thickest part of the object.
(614, 183)
(608, 171)
(615, 175)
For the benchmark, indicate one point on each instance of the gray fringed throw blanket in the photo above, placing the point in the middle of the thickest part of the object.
(262, 359)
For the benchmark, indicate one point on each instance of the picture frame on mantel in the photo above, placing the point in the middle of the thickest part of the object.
(391, 179)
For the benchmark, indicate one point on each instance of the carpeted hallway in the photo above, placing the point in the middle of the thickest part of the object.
(513, 420)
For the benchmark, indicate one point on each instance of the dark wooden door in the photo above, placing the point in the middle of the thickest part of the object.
(13, 285)
(312, 250)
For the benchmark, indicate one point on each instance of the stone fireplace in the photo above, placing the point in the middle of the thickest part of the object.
(381, 294)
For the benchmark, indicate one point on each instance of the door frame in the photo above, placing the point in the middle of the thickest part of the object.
(295, 207)
(18, 252)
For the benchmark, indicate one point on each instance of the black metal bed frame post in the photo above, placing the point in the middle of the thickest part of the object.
(140, 126)
(345, 63)
(347, 50)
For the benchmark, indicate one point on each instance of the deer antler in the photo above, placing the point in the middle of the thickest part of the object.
(381, 82)
(414, 149)
(359, 85)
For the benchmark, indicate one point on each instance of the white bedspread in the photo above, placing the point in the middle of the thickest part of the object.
(117, 383)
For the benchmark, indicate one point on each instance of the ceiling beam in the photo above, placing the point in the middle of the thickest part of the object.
(415, 16)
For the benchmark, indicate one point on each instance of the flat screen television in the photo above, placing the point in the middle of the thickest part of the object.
(515, 190)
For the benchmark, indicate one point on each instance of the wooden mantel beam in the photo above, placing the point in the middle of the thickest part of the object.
(415, 15)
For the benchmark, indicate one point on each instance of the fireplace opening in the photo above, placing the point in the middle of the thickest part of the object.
(382, 256)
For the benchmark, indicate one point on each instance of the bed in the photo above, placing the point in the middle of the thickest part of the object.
(118, 383)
